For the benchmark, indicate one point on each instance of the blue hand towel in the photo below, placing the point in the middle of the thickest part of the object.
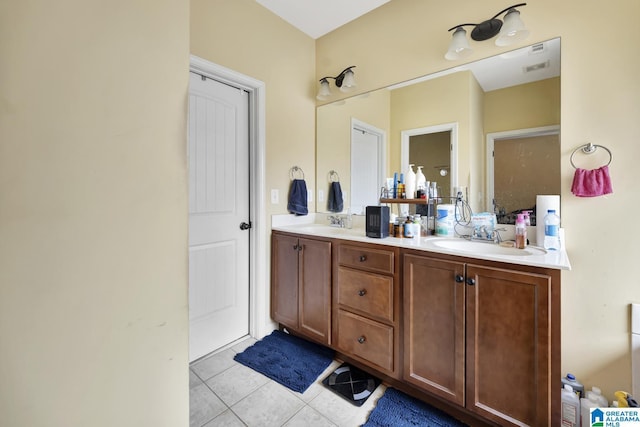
(298, 197)
(334, 201)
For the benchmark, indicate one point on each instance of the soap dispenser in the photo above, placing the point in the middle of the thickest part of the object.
(410, 183)
(521, 232)
(421, 184)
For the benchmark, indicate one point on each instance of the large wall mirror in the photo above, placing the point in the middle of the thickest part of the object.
(500, 116)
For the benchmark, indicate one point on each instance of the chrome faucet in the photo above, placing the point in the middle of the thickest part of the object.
(484, 234)
(340, 220)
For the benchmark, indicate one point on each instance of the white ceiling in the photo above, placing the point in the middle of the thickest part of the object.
(319, 17)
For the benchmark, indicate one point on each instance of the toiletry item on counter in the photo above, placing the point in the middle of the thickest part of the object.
(410, 183)
(576, 385)
(552, 230)
(421, 187)
(597, 395)
(395, 185)
(586, 403)
(570, 411)
(625, 400)
(446, 220)
(543, 204)
(521, 232)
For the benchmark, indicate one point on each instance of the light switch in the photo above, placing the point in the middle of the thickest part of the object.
(275, 196)
(310, 196)
(320, 196)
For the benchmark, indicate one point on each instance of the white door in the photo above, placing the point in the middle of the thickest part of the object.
(367, 166)
(218, 205)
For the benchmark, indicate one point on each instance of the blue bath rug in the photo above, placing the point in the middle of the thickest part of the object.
(293, 362)
(397, 409)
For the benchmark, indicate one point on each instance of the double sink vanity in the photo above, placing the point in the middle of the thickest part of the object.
(471, 327)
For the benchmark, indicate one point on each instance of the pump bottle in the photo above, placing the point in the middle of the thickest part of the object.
(521, 232)
(410, 183)
(421, 184)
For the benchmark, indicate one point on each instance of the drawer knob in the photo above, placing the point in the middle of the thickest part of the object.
(362, 292)
(361, 339)
(363, 258)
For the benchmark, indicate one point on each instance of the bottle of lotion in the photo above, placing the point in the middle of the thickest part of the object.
(421, 184)
(521, 232)
(410, 183)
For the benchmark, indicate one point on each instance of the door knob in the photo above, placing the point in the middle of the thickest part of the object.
(245, 226)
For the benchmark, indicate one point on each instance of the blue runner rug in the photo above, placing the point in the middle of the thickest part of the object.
(293, 362)
(397, 409)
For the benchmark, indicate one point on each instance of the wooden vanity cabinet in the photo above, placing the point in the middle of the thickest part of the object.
(366, 305)
(301, 285)
(481, 335)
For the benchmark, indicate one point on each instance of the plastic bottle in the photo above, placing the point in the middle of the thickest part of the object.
(527, 217)
(570, 407)
(585, 405)
(599, 397)
(410, 183)
(552, 230)
(521, 232)
(421, 184)
(576, 385)
(408, 227)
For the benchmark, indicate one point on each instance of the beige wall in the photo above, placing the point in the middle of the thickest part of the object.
(525, 106)
(599, 97)
(93, 223)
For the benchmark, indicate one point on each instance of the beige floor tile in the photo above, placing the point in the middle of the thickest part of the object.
(308, 417)
(270, 405)
(236, 383)
(203, 405)
(214, 364)
(226, 419)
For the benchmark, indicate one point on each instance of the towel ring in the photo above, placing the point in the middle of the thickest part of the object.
(590, 149)
(295, 172)
(333, 176)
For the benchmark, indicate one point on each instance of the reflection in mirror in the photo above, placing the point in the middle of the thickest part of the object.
(514, 175)
(509, 92)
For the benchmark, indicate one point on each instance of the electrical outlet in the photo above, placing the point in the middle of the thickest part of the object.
(275, 196)
(320, 196)
(310, 196)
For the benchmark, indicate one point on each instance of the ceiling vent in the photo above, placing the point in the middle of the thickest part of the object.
(535, 67)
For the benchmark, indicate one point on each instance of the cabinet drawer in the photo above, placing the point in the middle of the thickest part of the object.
(370, 293)
(379, 260)
(367, 339)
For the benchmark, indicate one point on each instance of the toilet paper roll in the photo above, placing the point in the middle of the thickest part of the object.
(543, 204)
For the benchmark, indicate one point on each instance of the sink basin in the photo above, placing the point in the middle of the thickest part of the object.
(320, 229)
(461, 245)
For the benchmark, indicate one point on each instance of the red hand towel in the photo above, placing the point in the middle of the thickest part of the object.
(591, 183)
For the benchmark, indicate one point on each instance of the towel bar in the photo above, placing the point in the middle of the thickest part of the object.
(590, 149)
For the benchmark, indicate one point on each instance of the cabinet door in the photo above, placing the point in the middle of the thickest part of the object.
(434, 311)
(509, 346)
(315, 289)
(284, 279)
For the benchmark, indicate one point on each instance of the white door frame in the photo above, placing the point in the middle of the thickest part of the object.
(509, 134)
(453, 160)
(259, 322)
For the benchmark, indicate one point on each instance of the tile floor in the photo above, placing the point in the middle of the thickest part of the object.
(224, 392)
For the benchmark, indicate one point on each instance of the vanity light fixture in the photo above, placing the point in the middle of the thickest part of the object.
(511, 31)
(345, 81)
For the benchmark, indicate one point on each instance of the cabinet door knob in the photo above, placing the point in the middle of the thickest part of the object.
(362, 292)
(471, 281)
(459, 278)
(361, 339)
(363, 258)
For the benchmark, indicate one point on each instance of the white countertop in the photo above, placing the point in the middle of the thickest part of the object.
(532, 256)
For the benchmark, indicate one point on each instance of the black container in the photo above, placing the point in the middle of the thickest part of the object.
(377, 221)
